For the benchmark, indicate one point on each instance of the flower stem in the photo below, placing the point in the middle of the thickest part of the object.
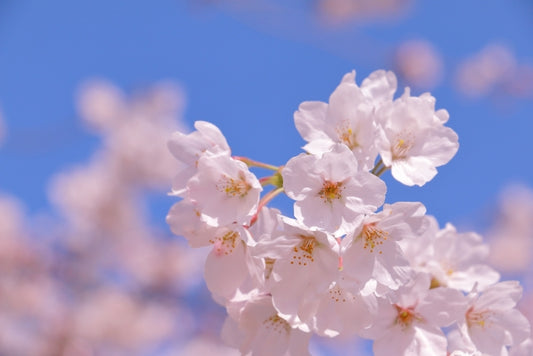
(264, 201)
(381, 171)
(377, 167)
(252, 163)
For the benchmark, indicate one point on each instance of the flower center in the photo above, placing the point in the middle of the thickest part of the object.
(406, 316)
(347, 136)
(401, 147)
(277, 324)
(225, 244)
(477, 318)
(303, 253)
(234, 187)
(269, 266)
(330, 191)
(373, 236)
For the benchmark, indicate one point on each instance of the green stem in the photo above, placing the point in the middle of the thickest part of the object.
(252, 163)
(377, 167)
(382, 170)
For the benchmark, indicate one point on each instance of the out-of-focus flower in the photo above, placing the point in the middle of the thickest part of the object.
(255, 327)
(410, 324)
(137, 324)
(492, 322)
(454, 260)
(135, 130)
(480, 74)
(205, 346)
(419, 63)
(95, 200)
(511, 237)
(341, 11)
(520, 85)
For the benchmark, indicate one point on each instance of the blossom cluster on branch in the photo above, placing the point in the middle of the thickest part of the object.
(346, 263)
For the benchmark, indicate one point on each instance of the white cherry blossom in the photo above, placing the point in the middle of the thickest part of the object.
(330, 193)
(224, 190)
(413, 139)
(372, 250)
(306, 265)
(453, 259)
(255, 328)
(410, 321)
(492, 322)
(188, 148)
(348, 118)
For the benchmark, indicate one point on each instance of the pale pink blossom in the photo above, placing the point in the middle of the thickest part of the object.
(341, 11)
(373, 249)
(306, 263)
(525, 348)
(255, 328)
(455, 260)
(94, 199)
(511, 235)
(487, 69)
(101, 104)
(419, 63)
(185, 219)
(330, 192)
(410, 322)
(229, 264)
(348, 118)
(340, 307)
(224, 190)
(491, 322)
(414, 140)
(139, 325)
(135, 128)
(189, 148)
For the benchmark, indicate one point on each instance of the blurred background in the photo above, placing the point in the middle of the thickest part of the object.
(90, 92)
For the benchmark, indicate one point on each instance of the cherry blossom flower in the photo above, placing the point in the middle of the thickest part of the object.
(485, 70)
(306, 264)
(255, 328)
(492, 322)
(419, 63)
(341, 11)
(511, 235)
(410, 322)
(224, 190)
(134, 129)
(229, 262)
(348, 118)
(187, 149)
(453, 259)
(330, 192)
(372, 250)
(414, 140)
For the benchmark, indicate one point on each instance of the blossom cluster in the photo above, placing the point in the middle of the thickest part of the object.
(347, 263)
(97, 277)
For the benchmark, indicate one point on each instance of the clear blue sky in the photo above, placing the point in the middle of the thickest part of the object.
(247, 73)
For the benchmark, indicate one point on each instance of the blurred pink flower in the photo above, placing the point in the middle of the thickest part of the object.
(340, 11)
(481, 73)
(419, 63)
(511, 237)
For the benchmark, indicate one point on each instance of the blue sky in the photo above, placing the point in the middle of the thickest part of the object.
(247, 71)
